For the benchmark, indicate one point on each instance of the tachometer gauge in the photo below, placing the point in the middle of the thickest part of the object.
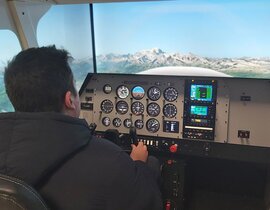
(127, 123)
(154, 93)
(138, 92)
(152, 125)
(106, 121)
(122, 107)
(122, 91)
(170, 94)
(117, 122)
(138, 124)
(169, 110)
(106, 106)
(153, 109)
(137, 108)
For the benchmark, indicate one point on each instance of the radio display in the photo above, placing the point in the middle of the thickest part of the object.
(201, 92)
(199, 110)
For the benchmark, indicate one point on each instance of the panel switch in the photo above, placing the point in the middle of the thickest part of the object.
(243, 134)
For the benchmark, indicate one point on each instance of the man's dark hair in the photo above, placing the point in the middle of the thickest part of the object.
(37, 79)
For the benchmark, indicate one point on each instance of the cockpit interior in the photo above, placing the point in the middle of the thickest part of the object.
(189, 79)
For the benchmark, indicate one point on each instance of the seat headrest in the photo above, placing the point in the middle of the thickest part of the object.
(15, 194)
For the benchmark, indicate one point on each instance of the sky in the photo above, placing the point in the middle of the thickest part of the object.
(69, 27)
(210, 28)
(213, 28)
(9, 46)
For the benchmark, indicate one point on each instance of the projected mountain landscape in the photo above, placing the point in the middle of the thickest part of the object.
(148, 59)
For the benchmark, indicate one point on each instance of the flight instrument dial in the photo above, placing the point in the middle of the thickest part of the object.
(154, 93)
(127, 123)
(138, 124)
(122, 107)
(169, 110)
(117, 122)
(170, 94)
(107, 89)
(153, 109)
(106, 121)
(138, 92)
(137, 108)
(152, 125)
(106, 106)
(122, 91)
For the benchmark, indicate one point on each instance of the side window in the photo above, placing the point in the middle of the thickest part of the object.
(68, 27)
(10, 46)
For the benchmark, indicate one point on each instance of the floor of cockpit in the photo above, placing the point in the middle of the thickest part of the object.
(213, 184)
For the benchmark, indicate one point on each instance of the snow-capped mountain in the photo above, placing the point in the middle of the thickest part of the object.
(145, 59)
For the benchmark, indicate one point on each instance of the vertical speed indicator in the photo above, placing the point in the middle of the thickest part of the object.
(152, 125)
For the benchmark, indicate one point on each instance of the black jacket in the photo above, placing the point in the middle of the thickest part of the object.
(71, 169)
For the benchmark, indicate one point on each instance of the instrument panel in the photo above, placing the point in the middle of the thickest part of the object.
(176, 108)
(194, 109)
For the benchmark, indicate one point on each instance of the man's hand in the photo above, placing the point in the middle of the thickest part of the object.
(139, 152)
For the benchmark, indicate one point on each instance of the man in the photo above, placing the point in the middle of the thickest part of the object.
(45, 143)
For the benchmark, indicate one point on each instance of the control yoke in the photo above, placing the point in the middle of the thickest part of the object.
(133, 135)
(114, 136)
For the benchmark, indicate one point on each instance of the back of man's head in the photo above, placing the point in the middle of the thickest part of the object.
(37, 80)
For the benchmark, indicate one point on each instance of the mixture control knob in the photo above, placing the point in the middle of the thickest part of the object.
(173, 148)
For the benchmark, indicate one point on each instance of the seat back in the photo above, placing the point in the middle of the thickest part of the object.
(18, 195)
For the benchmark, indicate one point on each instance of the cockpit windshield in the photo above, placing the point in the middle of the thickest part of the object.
(203, 38)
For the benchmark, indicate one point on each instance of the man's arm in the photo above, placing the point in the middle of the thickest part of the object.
(135, 186)
(139, 152)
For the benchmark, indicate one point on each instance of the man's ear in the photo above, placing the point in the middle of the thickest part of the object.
(69, 100)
